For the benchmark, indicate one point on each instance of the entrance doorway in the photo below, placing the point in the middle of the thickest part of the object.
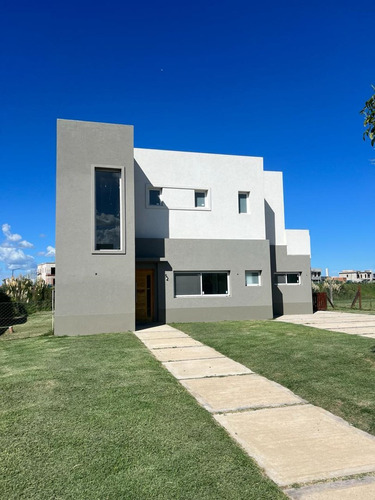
(144, 305)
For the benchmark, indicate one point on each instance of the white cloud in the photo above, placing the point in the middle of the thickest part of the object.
(16, 258)
(11, 251)
(9, 235)
(7, 244)
(25, 244)
(50, 251)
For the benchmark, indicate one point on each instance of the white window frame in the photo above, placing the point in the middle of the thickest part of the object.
(247, 194)
(299, 274)
(122, 249)
(259, 273)
(201, 285)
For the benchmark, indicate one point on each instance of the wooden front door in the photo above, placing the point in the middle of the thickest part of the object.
(145, 295)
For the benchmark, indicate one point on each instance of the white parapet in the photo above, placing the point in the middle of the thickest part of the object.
(298, 241)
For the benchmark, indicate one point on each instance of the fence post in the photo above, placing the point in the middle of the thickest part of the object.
(358, 296)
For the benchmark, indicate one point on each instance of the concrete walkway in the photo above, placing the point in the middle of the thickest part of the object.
(296, 443)
(352, 323)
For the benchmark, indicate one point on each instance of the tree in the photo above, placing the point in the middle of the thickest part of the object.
(369, 118)
(18, 289)
(332, 286)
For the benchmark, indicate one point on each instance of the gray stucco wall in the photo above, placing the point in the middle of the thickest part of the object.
(291, 299)
(234, 256)
(94, 292)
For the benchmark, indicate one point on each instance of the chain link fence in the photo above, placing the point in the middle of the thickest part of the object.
(24, 318)
(353, 297)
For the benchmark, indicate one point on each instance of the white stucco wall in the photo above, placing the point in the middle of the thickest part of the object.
(298, 241)
(274, 197)
(180, 174)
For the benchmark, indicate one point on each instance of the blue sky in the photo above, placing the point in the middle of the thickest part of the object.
(282, 80)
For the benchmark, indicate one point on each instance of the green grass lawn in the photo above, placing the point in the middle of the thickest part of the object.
(37, 324)
(333, 370)
(98, 417)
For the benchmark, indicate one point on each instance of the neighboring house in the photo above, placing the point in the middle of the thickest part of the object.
(357, 276)
(147, 235)
(46, 272)
(316, 275)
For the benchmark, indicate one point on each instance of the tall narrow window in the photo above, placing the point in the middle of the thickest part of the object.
(242, 203)
(200, 198)
(107, 209)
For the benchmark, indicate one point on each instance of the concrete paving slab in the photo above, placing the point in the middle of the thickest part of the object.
(354, 489)
(185, 353)
(218, 394)
(156, 328)
(146, 335)
(199, 368)
(355, 324)
(302, 443)
(326, 316)
(175, 342)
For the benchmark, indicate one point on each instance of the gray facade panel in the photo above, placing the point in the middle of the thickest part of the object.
(193, 314)
(291, 299)
(93, 324)
(232, 256)
(88, 283)
(297, 308)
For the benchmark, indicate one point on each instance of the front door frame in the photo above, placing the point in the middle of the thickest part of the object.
(149, 291)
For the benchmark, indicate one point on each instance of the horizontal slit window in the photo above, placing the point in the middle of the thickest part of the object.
(201, 283)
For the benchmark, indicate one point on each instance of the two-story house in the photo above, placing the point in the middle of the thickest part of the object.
(163, 236)
(46, 272)
(355, 276)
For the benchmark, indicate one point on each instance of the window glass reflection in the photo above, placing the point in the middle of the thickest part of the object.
(107, 209)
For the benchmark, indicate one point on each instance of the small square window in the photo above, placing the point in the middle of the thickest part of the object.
(154, 197)
(243, 202)
(200, 199)
(252, 278)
